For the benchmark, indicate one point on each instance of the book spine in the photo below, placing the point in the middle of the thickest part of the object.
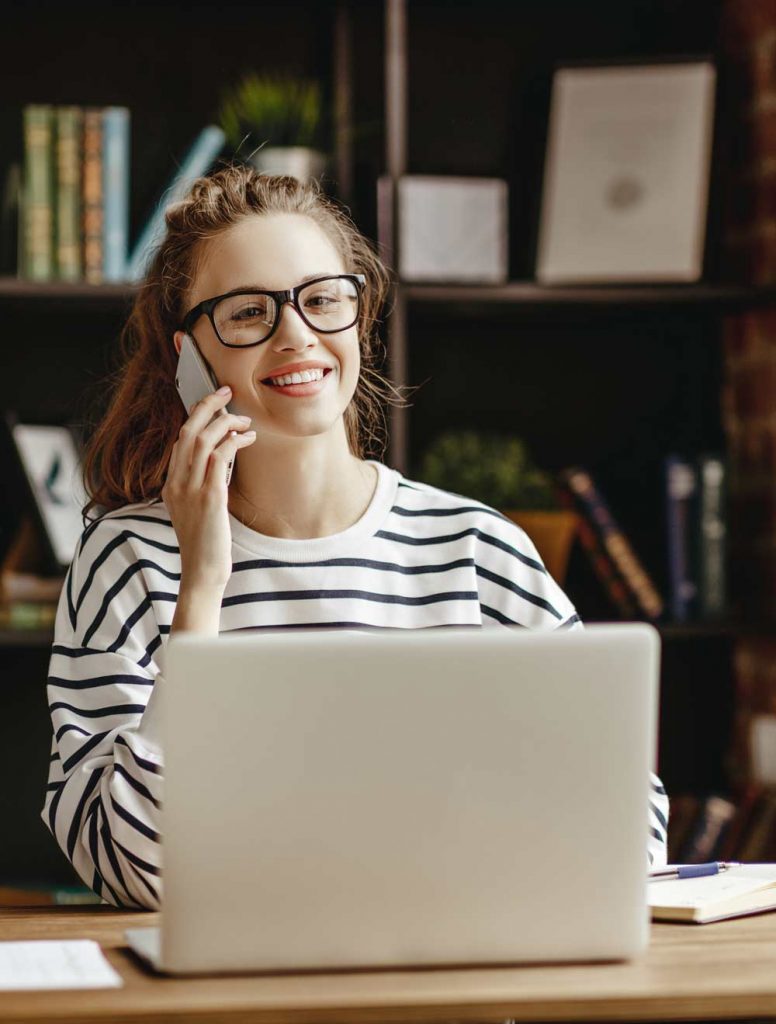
(681, 515)
(68, 205)
(10, 221)
(712, 524)
(198, 161)
(600, 561)
(614, 542)
(685, 810)
(745, 805)
(708, 832)
(759, 833)
(39, 192)
(92, 196)
(116, 142)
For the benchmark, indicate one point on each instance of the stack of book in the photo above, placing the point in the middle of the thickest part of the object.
(627, 582)
(741, 827)
(696, 523)
(696, 542)
(74, 194)
(74, 202)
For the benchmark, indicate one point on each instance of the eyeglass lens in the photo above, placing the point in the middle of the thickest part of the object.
(327, 305)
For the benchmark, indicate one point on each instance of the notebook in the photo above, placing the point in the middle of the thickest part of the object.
(744, 889)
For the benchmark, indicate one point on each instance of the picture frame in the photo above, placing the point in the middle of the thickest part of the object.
(452, 229)
(42, 468)
(627, 174)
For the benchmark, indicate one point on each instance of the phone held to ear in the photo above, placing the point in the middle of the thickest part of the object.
(195, 380)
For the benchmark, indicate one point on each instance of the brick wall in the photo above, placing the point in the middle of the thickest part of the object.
(749, 399)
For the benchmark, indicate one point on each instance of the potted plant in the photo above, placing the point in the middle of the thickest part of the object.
(497, 470)
(283, 115)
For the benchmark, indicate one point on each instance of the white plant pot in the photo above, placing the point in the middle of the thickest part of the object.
(297, 161)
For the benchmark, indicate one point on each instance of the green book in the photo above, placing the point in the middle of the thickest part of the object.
(38, 120)
(68, 193)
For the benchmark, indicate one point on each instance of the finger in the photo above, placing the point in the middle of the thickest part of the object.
(201, 414)
(221, 456)
(207, 440)
(173, 457)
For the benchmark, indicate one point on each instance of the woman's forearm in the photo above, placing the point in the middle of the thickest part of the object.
(198, 610)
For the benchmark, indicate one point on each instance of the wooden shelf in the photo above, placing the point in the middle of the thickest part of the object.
(17, 287)
(530, 295)
(513, 293)
(32, 637)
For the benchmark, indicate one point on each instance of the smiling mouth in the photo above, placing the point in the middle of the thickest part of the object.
(297, 379)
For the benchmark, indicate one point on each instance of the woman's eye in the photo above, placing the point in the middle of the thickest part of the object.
(321, 300)
(249, 313)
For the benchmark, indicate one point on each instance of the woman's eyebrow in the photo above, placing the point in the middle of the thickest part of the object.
(261, 288)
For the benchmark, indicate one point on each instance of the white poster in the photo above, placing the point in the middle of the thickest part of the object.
(627, 174)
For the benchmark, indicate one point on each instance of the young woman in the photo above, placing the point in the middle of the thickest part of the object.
(281, 294)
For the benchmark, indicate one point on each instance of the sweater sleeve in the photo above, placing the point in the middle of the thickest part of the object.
(516, 589)
(103, 796)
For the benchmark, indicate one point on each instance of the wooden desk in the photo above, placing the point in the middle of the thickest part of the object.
(718, 971)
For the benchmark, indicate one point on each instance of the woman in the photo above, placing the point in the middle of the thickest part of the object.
(309, 532)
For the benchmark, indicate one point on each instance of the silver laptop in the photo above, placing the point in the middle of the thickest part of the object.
(417, 797)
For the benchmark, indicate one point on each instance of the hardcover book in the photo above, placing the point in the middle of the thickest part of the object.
(601, 562)
(197, 162)
(681, 478)
(684, 812)
(92, 195)
(712, 535)
(115, 188)
(69, 128)
(591, 505)
(708, 831)
(38, 192)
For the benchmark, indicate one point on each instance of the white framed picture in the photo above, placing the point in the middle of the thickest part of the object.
(627, 168)
(452, 229)
(49, 460)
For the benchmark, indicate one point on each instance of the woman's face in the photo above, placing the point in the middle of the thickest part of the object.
(276, 252)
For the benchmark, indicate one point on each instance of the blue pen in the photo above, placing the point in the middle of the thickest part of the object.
(693, 870)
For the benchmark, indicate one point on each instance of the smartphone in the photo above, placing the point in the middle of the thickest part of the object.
(194, 380)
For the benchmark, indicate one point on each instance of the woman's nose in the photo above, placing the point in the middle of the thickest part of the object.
(292, 331)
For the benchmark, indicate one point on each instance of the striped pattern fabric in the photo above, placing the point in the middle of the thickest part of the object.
(418, 557)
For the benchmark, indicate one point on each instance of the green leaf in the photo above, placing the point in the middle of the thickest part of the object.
(492, 468)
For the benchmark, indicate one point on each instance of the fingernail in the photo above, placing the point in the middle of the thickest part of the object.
(244, 419)
(224, 390)
(249, 433)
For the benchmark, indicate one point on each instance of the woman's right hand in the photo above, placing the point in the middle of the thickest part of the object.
(195, 490)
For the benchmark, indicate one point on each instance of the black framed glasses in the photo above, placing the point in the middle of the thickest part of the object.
(244, 318)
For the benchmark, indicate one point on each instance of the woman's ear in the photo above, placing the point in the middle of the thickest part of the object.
(177, 339)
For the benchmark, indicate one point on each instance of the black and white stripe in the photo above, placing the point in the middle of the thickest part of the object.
(418, 558)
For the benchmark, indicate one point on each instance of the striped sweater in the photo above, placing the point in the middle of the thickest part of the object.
(418, 557)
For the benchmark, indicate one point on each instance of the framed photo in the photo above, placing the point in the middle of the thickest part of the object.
(42, 467)
(452, 229)
(627, 173)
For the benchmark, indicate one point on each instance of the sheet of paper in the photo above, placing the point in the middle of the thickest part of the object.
(55, 963)
(691, 892)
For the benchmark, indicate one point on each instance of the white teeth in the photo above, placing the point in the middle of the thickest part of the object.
(305, 377)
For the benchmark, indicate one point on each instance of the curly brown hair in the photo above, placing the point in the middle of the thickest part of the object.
(125, 458)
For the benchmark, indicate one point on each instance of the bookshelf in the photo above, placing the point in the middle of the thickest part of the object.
(611, 377)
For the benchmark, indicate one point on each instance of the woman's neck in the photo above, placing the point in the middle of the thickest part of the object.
(300, 489)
